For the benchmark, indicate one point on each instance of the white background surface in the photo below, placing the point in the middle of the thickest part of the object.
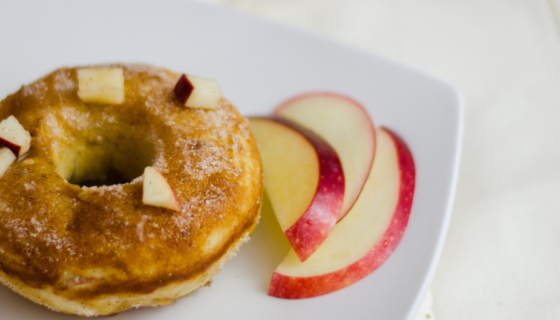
(501, 258)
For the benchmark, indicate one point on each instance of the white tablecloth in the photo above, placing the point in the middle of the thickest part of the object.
(501, 258)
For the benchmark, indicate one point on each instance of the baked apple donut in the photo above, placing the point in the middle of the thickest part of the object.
(78, 233)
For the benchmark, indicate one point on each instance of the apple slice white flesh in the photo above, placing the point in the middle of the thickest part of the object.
(14, 137)
(198, 92)
(303, 179)
(101, 85)
(346, 126)
(157, 192)
(7, 158)
(365, 238)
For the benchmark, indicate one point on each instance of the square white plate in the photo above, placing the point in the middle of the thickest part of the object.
(258, 65)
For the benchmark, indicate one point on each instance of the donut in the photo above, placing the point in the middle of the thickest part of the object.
(76, 234)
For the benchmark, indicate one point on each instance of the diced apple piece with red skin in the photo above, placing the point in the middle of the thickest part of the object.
(7, 158)
(198, 92)
(14, 137)
(157, 192)
(303, 179)
(365, 238)
(101, 85)
(346, 126)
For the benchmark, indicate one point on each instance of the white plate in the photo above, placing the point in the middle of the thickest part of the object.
(258, 65)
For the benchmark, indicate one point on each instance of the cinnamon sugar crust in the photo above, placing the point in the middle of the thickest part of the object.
(78, 246)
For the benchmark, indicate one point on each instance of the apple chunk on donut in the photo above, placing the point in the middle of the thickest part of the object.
(365, 238)
(101, 85)
(157, 192)
(198, 92)
(15, 141)
(303, 179)
(14, 137)
(7, 158)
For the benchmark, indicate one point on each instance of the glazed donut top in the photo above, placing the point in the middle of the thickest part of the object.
(71, 211)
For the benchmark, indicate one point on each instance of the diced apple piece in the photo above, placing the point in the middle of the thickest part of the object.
(303, 179)
(346, 126)
(365, 238)
(197, 92)
(101, 85)
(157, 192)
(14, 137)
(7, 158)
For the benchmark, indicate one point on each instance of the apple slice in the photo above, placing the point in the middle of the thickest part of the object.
(365, 238)
(197, 92)
(303, 179)
(346, 126)
(157, 192)
(14, 137)
(7, 158)
(101, 85)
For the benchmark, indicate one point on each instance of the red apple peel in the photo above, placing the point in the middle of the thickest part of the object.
(183, 89)
(13, 147)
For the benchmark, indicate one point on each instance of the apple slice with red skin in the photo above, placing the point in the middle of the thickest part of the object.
(303, 179)
(14, 137)
(157, 192)
(365, 238)
(346, 126)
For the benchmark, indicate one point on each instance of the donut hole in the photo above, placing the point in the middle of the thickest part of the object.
(116, 157)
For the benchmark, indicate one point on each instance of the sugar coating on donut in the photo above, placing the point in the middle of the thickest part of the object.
(62, 218)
